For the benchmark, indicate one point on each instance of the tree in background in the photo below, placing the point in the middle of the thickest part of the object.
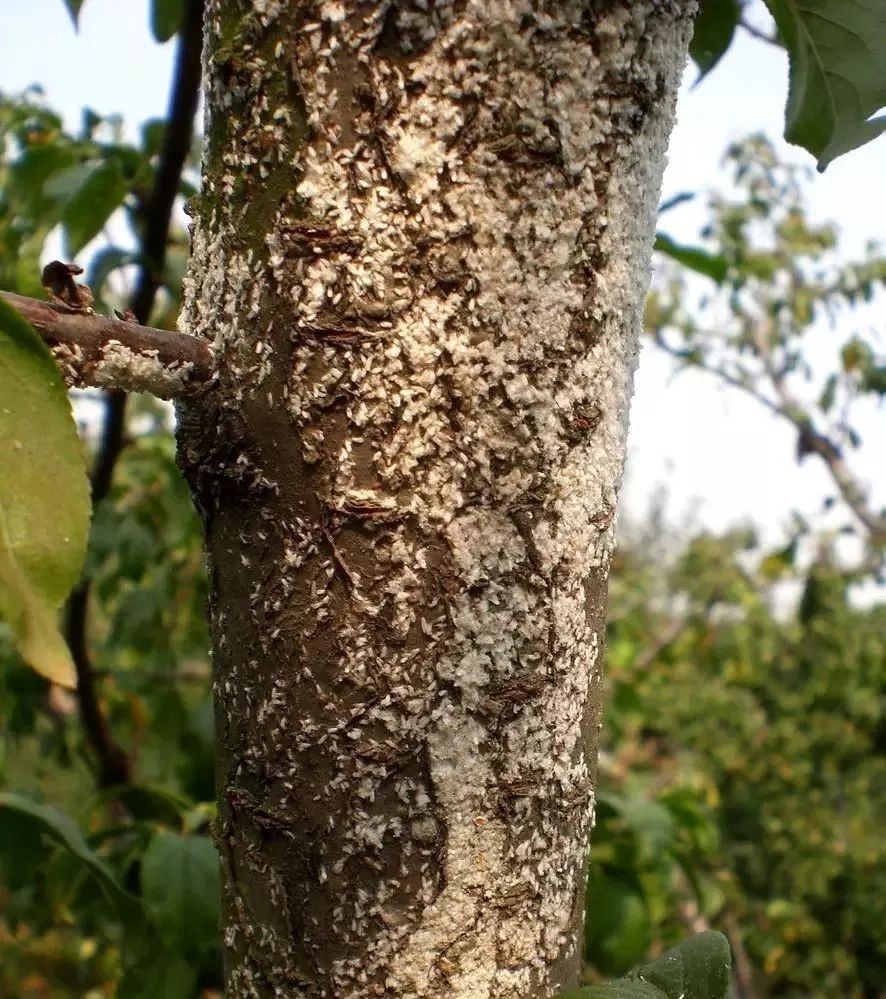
(776, 277)
(336, 562)
(742, 767)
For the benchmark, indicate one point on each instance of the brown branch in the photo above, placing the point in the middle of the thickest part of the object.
(177, 140)
(113, 764)
(97, 351)
(811, 441)
(741, 985)
(742, 969)
(110, 444)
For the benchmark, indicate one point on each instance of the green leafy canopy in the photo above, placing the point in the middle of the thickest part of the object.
(44, 497)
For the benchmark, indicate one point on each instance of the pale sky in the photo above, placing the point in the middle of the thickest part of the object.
(717, 454)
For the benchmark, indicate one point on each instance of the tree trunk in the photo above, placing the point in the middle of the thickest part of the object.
(421, 255)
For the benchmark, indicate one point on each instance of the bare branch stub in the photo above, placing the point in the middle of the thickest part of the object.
(96, 351)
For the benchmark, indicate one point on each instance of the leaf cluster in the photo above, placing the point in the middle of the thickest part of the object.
(78, 185)
(131, 874)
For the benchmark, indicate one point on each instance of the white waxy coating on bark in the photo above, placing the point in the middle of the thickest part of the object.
(120, 367)
(135, 371)
(481, 325)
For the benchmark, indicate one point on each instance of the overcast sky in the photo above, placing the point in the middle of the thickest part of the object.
(716, 454)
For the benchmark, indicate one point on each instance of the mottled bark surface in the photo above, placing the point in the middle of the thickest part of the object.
(421, 256)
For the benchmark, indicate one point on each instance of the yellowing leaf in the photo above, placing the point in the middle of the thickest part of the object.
(44, 497)
(33, 623)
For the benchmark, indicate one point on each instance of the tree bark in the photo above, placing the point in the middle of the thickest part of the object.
(420, 256)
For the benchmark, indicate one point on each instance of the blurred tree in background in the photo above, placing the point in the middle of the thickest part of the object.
(743, 778)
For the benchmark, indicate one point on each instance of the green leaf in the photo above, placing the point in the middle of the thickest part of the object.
(180, 888)
(44, 497)
(146, 803)
(33, 623)
(715, 25)
(777, 563)
(63, 184)
(101, 190)
(91, 121)
(828, 394)
(694, 257)
(29, 176)
(166, 16)
(651, 823)
(74, 10)
(873, 379)
(675, 200)
(153, 133)
(616, 990)
(698, 968)
(838, 73)
(48, 821)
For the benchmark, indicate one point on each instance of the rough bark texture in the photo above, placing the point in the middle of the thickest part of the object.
(421, 257)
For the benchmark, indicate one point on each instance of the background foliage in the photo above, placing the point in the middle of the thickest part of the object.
(744, 765)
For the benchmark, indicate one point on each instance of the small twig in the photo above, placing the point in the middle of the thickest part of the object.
(742, 969)
(112, 762)
(812, 441)
(338, 561)
(741, 985)
(96, 351)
